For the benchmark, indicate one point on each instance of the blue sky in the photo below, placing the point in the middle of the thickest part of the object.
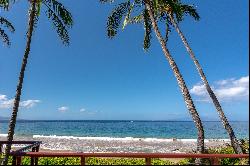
(99, 78)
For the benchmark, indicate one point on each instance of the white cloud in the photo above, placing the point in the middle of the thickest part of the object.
(89, 112)
(3, 97)
(83, 110)
(226, 90)
(63, 109)
(29, 103)
(6, 103)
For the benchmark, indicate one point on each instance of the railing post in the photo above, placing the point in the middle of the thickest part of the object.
(82, 160)
(32, 158)
(1, 148)
(148, 161)
(18, 160)
(14, 160)
(36, 158)
(215, 161)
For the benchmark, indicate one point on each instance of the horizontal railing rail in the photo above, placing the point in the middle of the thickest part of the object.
(30, 145)
(148, 156)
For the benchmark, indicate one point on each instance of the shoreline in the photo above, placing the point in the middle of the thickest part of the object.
(122, 145)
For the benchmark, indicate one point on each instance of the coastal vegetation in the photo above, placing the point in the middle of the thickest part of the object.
(62, 20)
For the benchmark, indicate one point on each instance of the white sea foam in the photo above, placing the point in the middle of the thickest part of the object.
(3, 135)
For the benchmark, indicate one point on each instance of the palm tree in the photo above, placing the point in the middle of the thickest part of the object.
(5, 23)
(62, 20)
(175, 11)
(149, 19)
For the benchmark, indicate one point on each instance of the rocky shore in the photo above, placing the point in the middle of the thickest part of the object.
(128, 144)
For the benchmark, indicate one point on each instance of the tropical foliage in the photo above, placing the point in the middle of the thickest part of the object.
(4, 23)
(134, 12)
(147, 12)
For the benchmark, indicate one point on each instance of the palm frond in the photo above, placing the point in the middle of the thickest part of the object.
(114, 20)
(38, 7)
(61, 12)
(127, 18)
(136, 19)
(190, 10)
(107, 1)
(61, 29)
(61, 18)
(5, 37)
(168, 29)
(148, 30)
(6, 3)
(7, 24)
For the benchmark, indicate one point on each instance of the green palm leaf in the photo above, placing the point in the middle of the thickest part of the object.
(61, 18)
(5, 37)
(5, 23)
(190, 10)
(127, 18)
(6, 3)
(114, 20)
(60, 11)
(61, 29)
(148, 30)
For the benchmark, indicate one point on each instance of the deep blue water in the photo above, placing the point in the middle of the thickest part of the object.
(141, 129)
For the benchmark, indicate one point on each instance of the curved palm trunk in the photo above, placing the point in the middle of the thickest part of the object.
(12, 122)
(181, 83)
(222, 116)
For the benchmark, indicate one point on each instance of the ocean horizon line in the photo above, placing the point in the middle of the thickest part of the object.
(115, 120)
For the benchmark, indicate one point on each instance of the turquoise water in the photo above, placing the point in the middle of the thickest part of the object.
(120, 129)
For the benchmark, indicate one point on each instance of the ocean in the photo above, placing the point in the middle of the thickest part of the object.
(122, 136)
(123, 129)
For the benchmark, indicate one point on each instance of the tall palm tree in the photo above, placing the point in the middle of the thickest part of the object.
(148, 17)
(5, 23)
(62, 20)
(175, 11)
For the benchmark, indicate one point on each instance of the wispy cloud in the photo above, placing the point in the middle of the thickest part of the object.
(226, 90)
(89, 112)
(6, 103)
(83, 110)
(63, 109)
(29, 103)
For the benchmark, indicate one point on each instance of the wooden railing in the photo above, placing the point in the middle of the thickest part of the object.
(30, 146)
(214, 158)
(33, 146)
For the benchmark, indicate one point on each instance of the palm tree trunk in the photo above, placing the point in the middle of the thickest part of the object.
(181, 83)
(12, 122)
(216, 102)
